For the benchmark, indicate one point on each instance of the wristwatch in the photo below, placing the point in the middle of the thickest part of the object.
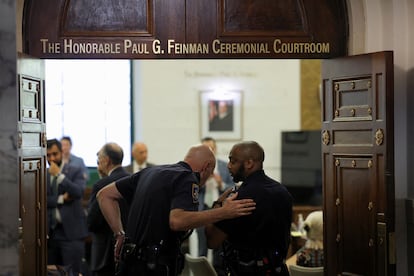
(119, 233)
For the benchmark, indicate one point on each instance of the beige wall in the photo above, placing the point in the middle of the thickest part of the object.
(310, 94)
(168, 110)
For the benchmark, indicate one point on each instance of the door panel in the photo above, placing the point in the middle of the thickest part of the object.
(32, 166)
(30, 193)
(358, 159)
(353, 186)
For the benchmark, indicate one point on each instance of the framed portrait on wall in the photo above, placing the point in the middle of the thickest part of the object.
(221, 114)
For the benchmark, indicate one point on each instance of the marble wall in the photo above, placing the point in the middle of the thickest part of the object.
(9, 189)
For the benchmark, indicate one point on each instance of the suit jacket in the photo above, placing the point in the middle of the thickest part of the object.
(222, 124)
(102, 236)
(72, 214)
(130, 167)
(78, 162)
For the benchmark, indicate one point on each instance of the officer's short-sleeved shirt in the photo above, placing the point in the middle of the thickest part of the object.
(268, 227)
(152, 193)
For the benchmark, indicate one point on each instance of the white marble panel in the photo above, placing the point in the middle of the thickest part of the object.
(9, 197)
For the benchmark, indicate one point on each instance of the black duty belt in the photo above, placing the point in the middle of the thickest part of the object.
(152, 258)
(253, 261)
(149, 254)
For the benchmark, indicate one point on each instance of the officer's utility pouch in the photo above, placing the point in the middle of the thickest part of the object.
(153, 254)
(128, 251)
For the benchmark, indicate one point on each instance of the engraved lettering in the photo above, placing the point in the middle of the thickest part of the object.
(187, 48)
(240, 48)
(78, 48)
(280, 47)
(156, 47)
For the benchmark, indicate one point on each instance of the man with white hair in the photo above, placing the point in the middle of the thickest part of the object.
(140, 155)
(311, 254)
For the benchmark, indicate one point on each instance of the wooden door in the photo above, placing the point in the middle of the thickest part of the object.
(32, 167)
(358, 165)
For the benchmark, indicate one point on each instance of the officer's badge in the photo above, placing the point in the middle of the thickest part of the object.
(195, 191)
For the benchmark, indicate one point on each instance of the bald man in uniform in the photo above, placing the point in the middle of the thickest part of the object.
(163, 207)
(256, 244)
(140, 155)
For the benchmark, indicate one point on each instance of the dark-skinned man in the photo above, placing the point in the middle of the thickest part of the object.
(256, 244)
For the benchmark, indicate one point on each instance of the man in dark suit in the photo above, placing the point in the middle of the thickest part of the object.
(66, 216)
(223, 121)
(140, 156)
(109, 166)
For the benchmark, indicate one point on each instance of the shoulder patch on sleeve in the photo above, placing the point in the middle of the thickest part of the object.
(194, 191)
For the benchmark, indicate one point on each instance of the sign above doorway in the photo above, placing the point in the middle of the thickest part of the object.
(149, 29)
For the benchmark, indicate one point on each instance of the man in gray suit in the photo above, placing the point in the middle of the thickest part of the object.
(66, 216)
(102, 255)
(69, 158)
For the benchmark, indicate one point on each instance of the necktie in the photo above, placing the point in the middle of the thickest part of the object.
(54, 185)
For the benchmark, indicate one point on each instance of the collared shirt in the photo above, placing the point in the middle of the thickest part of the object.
(60, 199)
(137, 168)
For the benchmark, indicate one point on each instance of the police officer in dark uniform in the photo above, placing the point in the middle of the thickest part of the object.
(256, 244)
(163, 207)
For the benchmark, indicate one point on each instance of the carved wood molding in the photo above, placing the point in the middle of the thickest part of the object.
(148, 29)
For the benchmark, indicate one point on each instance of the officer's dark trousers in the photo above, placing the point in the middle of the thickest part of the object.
(141, 268)
(284, 272)
(62, 251)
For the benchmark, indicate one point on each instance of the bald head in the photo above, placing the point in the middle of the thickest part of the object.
(110, 156)
(250, 150)
(198, 155)
(139, 152)
(245, 158)
(201, 159)
(114, 152)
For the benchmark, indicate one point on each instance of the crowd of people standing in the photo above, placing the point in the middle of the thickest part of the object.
(138, 216)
